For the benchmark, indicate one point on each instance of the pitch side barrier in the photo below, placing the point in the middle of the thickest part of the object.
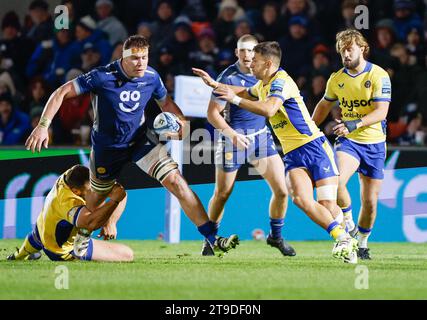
(25, 180)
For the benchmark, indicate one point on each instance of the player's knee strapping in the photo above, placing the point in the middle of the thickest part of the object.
(101, 187)
(327, 192)
(163, 168)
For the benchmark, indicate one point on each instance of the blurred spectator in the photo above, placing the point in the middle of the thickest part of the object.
(86, 33)
(298, 8)
(241, 28)
(409, 85)
(198, 10)
(182, 44)
(38, 94)
(269, 28)
(108, 23)
(385, 38)
(71, 115)
(15, 50)
(405, 18)
(297, 48)
(317, 90)
(91, 58)
(225, 58)
(51, 59)
(42, 21)
(348, 14)
(416, 47)
(162, 26)
(6, 82)
(205, 56)
(229, 11)
(165, 63)
(14, 124)
(145, 29)
(117, 52)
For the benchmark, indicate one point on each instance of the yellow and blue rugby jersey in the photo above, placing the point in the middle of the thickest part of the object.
(292, 123)
(57, 221)
(356, 94)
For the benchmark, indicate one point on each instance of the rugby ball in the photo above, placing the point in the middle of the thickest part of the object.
(166, 122)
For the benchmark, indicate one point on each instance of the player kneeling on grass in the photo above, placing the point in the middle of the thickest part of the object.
(64, 225)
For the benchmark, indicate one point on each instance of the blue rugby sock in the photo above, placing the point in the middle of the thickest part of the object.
(276, 226)
(209, 231)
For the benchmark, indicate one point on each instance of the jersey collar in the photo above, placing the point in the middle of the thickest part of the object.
(368, 68)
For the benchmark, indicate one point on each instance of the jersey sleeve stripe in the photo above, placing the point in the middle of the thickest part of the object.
(329, 99)
(76, 86)
(76, 216)
(277, 96)
(250, 92)
(381, 99)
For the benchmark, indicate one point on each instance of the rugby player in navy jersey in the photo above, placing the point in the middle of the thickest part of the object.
(244, 137)
(120, 92)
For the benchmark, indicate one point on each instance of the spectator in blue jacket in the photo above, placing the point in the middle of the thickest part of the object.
(86, 32)
(51, 59)
(406, 19)
(14, 124)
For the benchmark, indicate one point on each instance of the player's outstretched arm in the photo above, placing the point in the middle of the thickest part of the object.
(241, 91)
(39, 136)
(93, 220)
(322, 110)
(267, 108)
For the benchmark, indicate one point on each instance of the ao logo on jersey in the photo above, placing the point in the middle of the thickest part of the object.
(126, 96)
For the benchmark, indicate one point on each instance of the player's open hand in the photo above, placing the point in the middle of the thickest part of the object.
(205, 77)
(108, 232)
(340, 129)
(39, 137)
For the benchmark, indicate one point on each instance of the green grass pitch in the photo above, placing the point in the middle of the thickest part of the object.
(252, 271)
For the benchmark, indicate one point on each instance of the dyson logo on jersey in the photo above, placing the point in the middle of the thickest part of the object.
(350, 104)
(128, 96)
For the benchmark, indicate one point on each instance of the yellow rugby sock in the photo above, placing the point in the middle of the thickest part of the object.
(25, 250)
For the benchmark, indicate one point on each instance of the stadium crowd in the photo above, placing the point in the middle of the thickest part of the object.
(35, 57)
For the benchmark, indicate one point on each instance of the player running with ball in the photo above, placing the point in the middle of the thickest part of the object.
(120, 92)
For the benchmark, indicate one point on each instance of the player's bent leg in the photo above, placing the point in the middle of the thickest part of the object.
(347, 165)
(370, 189)
(301, 189)
(111, 252)
(273, 171)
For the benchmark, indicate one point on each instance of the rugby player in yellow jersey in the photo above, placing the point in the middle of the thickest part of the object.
(363, 91)
(64, 225)
(309, 158)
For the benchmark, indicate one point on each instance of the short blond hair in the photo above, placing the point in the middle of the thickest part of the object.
(346, 38)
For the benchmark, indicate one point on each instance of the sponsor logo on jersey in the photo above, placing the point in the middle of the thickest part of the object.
(350, 104)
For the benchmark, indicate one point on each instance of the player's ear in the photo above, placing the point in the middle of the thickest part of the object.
(236, 52)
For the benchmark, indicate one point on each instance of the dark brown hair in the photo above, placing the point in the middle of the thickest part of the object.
(136, 41)
(77, 177)
(269, 49)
